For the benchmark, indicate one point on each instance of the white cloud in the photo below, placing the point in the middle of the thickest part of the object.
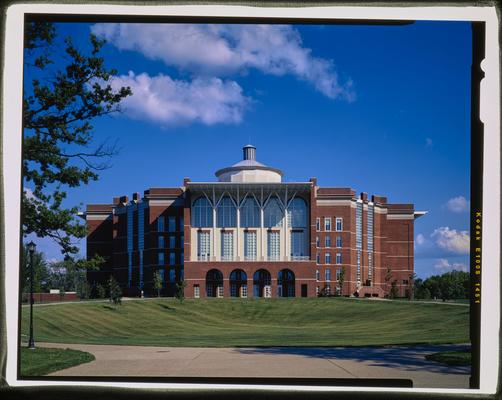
(170, 102)
(451, 241)
(458, 204)
(218, 50)
(444, 265)
(420, 239)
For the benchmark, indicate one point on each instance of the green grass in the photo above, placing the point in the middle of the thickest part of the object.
(43, 361)
(451, 357)
(251, 322)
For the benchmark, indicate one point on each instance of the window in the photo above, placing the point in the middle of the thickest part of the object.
(327, 258)
(141, 226)
(172, 275)
(318, 258)
(358, 271)
(370, 240)
(182, 224)
(327, 274)
(317, 242)
(317, 291)
(338, 274)
(338, 258)
(161, 242)
(172, 258)
(171, 223)
(250, 214)
(196, 291)
(297, 245)
(327, 241)
(244, 291)
(202, 213)
(182, 240)
(226, 213)
(160, 224)
(273, 245)
(297, 213)
(338, 241)
(162, 276)
(317, 275)
(172, 242)
(339, 224)
(161, 258)
(359, 224)
(250, 246)
(318, 224)
(405, 281)
(203, 246)
(370, 266)
(130, 219)
(227, 246)
(273, 214)
(327, 224)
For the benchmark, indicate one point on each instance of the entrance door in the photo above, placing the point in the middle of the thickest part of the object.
(304, 290)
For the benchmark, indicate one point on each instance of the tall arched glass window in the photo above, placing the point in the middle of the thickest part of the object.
(297, 213)
(250, 213)
(202, 213)
(226, 213)
(273, 214)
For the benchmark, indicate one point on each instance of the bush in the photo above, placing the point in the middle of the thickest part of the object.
(115, 291)
(100, 291)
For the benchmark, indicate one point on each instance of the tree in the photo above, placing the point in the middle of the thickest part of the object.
(341, 280)
(157, 282)
(180, 291)
(393, 290)
(387, 278)
(411, 285)
(63, 94)
(41, 273)
(100, 291)
(115, 291)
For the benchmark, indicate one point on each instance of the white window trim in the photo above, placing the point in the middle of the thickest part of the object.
(341, 224)
(326, 219)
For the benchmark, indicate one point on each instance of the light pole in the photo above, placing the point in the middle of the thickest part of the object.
(31, 249)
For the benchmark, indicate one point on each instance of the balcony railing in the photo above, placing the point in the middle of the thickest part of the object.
(203, 257)
(300, 258)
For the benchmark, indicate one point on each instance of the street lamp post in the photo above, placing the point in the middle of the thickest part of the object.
(31, 250)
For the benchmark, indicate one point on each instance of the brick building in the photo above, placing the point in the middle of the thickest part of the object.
(251, 235)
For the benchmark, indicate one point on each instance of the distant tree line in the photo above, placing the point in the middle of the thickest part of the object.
(448, 286)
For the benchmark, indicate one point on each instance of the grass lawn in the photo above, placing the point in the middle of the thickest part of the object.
(43, 361)
(451, 357)
(251, 322)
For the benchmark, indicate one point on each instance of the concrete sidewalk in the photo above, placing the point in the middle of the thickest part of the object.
(401, 362)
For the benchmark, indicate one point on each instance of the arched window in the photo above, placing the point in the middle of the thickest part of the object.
(214, 283)
(250, 213)
(226, 213)
(261, 283)
(273, 214)
(202, 213)
(297, 213)
(238, 283)
(286, 283)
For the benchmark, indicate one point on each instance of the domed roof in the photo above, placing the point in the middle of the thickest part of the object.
(242, 171)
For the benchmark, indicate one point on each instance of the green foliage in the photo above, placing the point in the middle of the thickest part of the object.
(448, 286)
(180, 291)
(115, 291)
(84, 290)
(100, 291)
(41, 272)
(394, 293)
(58, 107)
(157, 282)
(341, 280)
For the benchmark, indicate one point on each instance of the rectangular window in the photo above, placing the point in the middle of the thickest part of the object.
(182, 241)
(196, 291)
(161, 242)
(327, 258)
(327, 274)
(317, 291)
(318, 258)
(338, 258)
(327, 241)
(317, 242)
(227, 246)
(182, 224)
(273, 245)
(370, 266)
(141, 226)
(359, 225)
(172, 275)
(171, 224)
(338, 241)
(250, 246)
(162, 276)
(339, 224)
(327, 224)
(317, 275)
(338, 274)
(318, 224)
(172, 242)
(203, 246)
(161, 258)
(172, 258)
(160, 224)
(244, 291)
(358, 270)
(405, 281)
(297, 245)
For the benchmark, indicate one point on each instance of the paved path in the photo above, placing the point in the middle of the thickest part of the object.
(401, 362)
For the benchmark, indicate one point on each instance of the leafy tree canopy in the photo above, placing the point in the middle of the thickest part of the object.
(60, 101)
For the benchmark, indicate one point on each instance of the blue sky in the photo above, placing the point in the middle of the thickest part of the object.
(381, 109)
